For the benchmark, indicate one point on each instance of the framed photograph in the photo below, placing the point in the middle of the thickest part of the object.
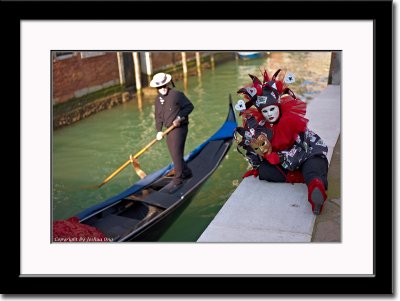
(359, 263)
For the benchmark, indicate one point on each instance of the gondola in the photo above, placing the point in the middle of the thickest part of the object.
(134, 213)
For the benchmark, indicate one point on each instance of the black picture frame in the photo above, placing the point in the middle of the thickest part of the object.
(378, 11)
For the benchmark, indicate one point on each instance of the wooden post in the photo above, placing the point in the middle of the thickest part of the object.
(184, 64)
(121, 68)
(212, 60)
(334, 69)
(137, 72)
(149, 66)
(198, 63)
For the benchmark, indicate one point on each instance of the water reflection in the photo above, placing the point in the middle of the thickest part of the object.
(185, 84)
(311, 70)
(212, 61)
(139, 98)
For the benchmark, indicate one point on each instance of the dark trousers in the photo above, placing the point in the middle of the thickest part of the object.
(176, 146)
(314, 167)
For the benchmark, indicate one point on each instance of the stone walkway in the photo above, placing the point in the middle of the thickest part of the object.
(327, 226)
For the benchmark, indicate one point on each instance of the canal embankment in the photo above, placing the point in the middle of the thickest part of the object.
(260, 211)
(78, 94)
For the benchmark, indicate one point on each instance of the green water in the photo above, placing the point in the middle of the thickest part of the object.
(85, 153)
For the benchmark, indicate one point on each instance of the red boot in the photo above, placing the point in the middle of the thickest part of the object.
(295, 177)
(316, 195)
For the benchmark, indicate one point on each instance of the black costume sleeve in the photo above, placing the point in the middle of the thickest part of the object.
(158, 116)
(253, 158)
(186, 106)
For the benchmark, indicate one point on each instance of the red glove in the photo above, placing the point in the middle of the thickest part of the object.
(273, 158)
(253, 172)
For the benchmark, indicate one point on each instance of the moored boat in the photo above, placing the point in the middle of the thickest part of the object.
(250, 55)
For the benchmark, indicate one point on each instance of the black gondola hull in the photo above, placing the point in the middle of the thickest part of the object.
(146, 213)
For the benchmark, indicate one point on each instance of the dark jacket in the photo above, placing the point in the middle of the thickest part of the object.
(170, 106)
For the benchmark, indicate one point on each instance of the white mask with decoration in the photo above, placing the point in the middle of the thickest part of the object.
(271, 113)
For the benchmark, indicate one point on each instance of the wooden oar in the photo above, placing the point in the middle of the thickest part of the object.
(135, 156)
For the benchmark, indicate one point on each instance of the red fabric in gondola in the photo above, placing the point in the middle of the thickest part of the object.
(71, 230)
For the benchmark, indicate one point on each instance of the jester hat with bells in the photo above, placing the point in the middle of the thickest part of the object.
(274, 91)
(266, 93)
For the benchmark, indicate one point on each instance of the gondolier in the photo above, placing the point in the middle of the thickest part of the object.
(141, 212)
(172, 107)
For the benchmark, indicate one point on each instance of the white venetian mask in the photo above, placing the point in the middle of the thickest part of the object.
(163, 90)
(271, 113)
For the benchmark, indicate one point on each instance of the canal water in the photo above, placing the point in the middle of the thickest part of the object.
(87, 152)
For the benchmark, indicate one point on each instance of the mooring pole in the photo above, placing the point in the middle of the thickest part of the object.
(149, 66)
(137, 72)
(121, 68)
(184, 64)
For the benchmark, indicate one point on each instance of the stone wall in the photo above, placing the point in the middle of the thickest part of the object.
(76, 76)
(70, 115)
(163, 59)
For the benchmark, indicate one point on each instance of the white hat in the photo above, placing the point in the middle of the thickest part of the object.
(160, 79)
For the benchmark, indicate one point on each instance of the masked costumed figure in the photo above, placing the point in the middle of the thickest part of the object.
(277, 142)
